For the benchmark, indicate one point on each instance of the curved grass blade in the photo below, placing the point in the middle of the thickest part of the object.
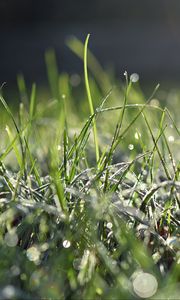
(90, 97)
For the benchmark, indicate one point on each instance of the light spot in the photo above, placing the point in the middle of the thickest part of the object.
(33, 254)
(44, 247)
(66, 244)
(75, 80)
(142, 186)
(109, 225)
(63, 96)
(23, 277)
(15, 271)
(8, 292)
(124, 265)
(134, 77)
(11, 239)
(131, 147)
(154, 102)
(36, 278)
(144, 172)
(171, 139)
(59, 147)
(145, 285)
(137, 135)
(99, 291)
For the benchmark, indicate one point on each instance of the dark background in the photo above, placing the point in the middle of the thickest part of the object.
(138, 36)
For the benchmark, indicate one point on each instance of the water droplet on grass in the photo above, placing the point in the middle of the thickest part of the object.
(33, 254)
(171, 139)
(66, 244)
(145, 285)
(137, 135)
(109, 225)
(131, 147)
(144, 172)
(15, 271)
(11, 239)
(134, 77)
(75, 80)
(154, 102)
(8, 292)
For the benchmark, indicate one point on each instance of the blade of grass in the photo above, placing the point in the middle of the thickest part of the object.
(90, 97)
(32, 108)
(17, 129)
(52, 71)
(157, 148)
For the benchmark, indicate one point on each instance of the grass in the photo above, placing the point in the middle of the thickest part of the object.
(88, 208)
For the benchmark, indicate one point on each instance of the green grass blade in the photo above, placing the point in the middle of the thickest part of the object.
(52, 71)
(90, 98)
(32, 108)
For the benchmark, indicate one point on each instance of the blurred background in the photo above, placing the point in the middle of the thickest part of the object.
(138, 36)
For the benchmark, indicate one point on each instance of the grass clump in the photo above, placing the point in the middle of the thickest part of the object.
(87, 207)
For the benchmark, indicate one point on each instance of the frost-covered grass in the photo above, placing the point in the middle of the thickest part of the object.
(89, 204)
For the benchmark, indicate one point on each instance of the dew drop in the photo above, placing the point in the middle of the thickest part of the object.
(8, 292)
(44, 247)
(36, 278)
(23, 277)
(131, 147)
(15, 271)
(75, 80)
(145, 285)
(109, 225)
(154, 102)
(144, 172)
(33, 254)
(66, 244)
(137, 135)
(134, 77)
(11, 239)
(171, 138)
(125, 73)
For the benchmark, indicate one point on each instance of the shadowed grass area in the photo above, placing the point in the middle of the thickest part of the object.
(89, 208)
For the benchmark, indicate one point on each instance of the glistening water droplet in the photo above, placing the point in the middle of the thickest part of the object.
(134, 77)
(137, 135)
(33, 253)
(66, 244)
(171, 138)
(11, 239)
(8, 292)
(131, 147)
(109, 225)
(145, 285)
